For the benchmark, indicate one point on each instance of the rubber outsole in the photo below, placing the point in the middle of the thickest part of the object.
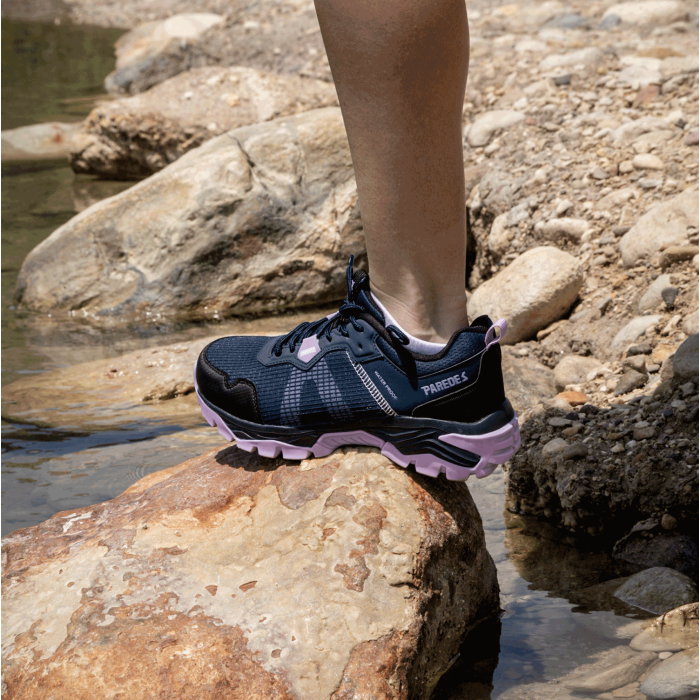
(492, 448)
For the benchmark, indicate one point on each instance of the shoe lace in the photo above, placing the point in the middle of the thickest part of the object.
(347, 315)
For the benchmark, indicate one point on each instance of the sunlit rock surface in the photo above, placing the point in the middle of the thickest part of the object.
(235, 576)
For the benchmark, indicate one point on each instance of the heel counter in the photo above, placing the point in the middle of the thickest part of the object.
(477, 401)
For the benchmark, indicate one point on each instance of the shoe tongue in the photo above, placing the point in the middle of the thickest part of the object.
(362, 295)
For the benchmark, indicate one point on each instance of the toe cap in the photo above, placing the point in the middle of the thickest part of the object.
(238, 398)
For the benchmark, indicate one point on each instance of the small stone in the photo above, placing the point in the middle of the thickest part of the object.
(649, 183)
(668, 294)
(691, 138)
(563, 207)
(554, 447)
(644, 433)
(573, 398)
(631, 331)
(654, 294)
(565, 228)
(617, 448)
(558, 422)
(668, 522)
(609, 22)
(677, 253)
(627, 166)
(562, 80)
(486, 125)
(629, 381)
(686, 389)
(665, 655)
(636, 362)
(599, 173)
(690, 323)
(647, 161)
(576, 451)
(641, 349)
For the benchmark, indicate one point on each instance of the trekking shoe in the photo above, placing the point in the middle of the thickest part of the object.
(348, 379)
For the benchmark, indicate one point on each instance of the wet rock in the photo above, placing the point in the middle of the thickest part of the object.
(658, 12)
(658, 590)
(189, 560)
(616, 676)
(39, 141)
(260, 219)
(573, 369)
(148, 54)
(673, 631)
(641, 550)
(631, 331)
(535, 289)
(685, 360)
(134, 137)
(673, 678)
(487, 124)
(149, 384)
(662, 226)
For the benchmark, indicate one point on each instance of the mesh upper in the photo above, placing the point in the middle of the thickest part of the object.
(330, 391)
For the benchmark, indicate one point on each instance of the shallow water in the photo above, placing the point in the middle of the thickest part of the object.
(52, 72)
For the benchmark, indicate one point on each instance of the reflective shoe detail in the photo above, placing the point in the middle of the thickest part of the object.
(348, 379)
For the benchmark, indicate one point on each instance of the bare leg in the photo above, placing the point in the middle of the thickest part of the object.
(400, 69)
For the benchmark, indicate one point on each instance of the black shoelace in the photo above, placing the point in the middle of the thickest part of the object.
(347, 314)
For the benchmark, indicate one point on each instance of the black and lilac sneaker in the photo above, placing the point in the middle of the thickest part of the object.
(348, 379)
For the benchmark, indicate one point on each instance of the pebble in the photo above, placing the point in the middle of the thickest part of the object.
(644, 433)
(558, 422)
(631, 331)
(654, 294)
(563, 207)
(668, 522)
(677, 253)
(687, 389)
(635, 362)
(647, 161)
(487, 124)
(574, 369)
(576, 451)
(554, 446)
(629, 381)
(573, 398)
(641, 349)
(669, 294)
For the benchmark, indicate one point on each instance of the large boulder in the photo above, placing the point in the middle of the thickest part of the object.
(159, 47)
(257, 220)
(137, 136)
(340, 577)
(665, 225)
(538, 287)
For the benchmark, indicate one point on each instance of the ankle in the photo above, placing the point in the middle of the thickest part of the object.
(432, 319)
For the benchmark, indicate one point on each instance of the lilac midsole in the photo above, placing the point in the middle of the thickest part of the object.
(493, 448)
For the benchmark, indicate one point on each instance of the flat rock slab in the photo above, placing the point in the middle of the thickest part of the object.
(672, 631)
(257, 220)
(134, 137)
(48, 141)
(342, 577)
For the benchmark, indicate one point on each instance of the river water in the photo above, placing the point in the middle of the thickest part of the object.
(54, 72)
